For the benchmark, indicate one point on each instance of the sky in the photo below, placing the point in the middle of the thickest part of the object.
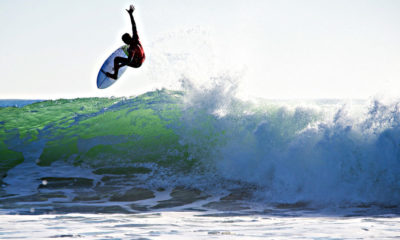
(272, 49)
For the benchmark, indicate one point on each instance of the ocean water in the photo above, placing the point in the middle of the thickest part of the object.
(16, 102)
(199, 164)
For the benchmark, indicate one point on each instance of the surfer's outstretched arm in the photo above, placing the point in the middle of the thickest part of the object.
(134, 30)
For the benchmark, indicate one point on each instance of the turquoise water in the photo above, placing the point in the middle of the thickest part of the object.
(167, 149)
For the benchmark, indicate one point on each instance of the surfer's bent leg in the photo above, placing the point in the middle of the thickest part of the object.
(118, 63)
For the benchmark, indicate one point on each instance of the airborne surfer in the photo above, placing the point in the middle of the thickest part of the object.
(134, 49)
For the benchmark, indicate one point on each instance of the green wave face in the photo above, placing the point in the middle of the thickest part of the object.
(97, 132)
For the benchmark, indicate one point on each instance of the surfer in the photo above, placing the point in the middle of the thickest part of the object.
(134, 51)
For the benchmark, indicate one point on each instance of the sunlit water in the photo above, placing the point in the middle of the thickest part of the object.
(195, 225)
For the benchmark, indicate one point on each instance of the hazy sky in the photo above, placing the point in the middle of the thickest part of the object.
(279, 49)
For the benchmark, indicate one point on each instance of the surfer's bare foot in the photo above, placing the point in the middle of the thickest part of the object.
(110, 75)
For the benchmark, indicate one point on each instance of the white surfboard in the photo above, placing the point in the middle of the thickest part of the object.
(102, 80)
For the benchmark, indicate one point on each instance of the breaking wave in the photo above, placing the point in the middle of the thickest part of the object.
(323, 152)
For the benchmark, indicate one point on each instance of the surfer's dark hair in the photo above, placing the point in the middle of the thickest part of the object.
(126, 38)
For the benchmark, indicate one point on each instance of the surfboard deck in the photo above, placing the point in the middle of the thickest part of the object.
(102, 80)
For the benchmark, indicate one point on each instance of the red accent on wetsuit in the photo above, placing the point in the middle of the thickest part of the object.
(138, 55)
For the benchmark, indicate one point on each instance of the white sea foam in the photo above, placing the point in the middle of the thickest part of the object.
(191, 225)
(334, 152)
